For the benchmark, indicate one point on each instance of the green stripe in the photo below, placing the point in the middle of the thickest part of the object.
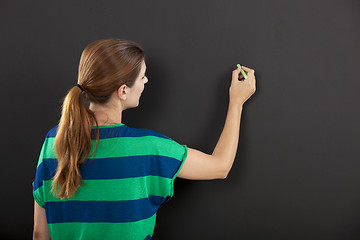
(174, 177)
(103, 231)
(108, 125)
(116, 189)
(38, 195)
(45, 149)
(128, 146)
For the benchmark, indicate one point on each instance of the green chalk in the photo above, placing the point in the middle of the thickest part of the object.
(242, 71)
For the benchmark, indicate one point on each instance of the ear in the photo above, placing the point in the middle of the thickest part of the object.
(122, 92)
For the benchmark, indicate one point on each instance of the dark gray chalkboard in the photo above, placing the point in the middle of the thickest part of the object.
(296, 173)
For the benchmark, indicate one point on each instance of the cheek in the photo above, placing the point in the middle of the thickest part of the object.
(141, 88)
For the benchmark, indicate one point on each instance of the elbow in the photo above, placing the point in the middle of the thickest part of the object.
(223, 170)
(224, 173)
(38, 235)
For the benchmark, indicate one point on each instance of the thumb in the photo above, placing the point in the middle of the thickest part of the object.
(235, 74)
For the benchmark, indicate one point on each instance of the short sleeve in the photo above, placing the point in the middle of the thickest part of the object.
(183, 149)
(38, 183)
(38, 188)
(176, 156)
(38, 196)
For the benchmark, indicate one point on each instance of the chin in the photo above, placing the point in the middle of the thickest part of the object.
(137, 103)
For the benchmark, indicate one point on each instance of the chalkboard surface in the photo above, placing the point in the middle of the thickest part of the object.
(296, 173)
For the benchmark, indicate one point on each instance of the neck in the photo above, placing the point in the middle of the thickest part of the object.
(106, 115)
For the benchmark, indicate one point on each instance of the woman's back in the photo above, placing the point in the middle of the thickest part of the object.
(130, 176)
(116, 195)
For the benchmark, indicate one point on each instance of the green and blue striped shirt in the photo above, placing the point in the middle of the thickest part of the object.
(132, 174)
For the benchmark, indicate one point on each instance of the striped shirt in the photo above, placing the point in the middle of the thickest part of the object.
(132, 174)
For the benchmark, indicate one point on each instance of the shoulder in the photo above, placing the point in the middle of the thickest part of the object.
(143, 132)
(165, 145)
(125, 130)
(52, 132)
(155, 139)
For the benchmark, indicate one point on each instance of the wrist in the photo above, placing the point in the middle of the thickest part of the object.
(237, 105)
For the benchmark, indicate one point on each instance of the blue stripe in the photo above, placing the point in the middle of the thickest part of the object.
(45, 171)
(102, 211)
(113, 132)
(129, 167)
(39, 177)
(114, 168)
(52, 132)
(148, 237)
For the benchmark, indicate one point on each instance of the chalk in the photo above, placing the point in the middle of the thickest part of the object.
(242, 71)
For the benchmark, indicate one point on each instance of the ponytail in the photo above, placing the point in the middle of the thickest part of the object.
(104, 66)
(72, 143)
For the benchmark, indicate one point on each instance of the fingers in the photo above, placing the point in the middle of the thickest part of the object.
(235, 74)
(248, 70)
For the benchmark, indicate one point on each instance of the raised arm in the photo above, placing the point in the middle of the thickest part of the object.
(202, 166)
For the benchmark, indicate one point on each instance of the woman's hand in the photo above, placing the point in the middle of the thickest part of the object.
(241, 91)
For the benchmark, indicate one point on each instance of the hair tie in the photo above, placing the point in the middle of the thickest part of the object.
(80, 87)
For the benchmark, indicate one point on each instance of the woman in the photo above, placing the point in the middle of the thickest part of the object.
(100, 179)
